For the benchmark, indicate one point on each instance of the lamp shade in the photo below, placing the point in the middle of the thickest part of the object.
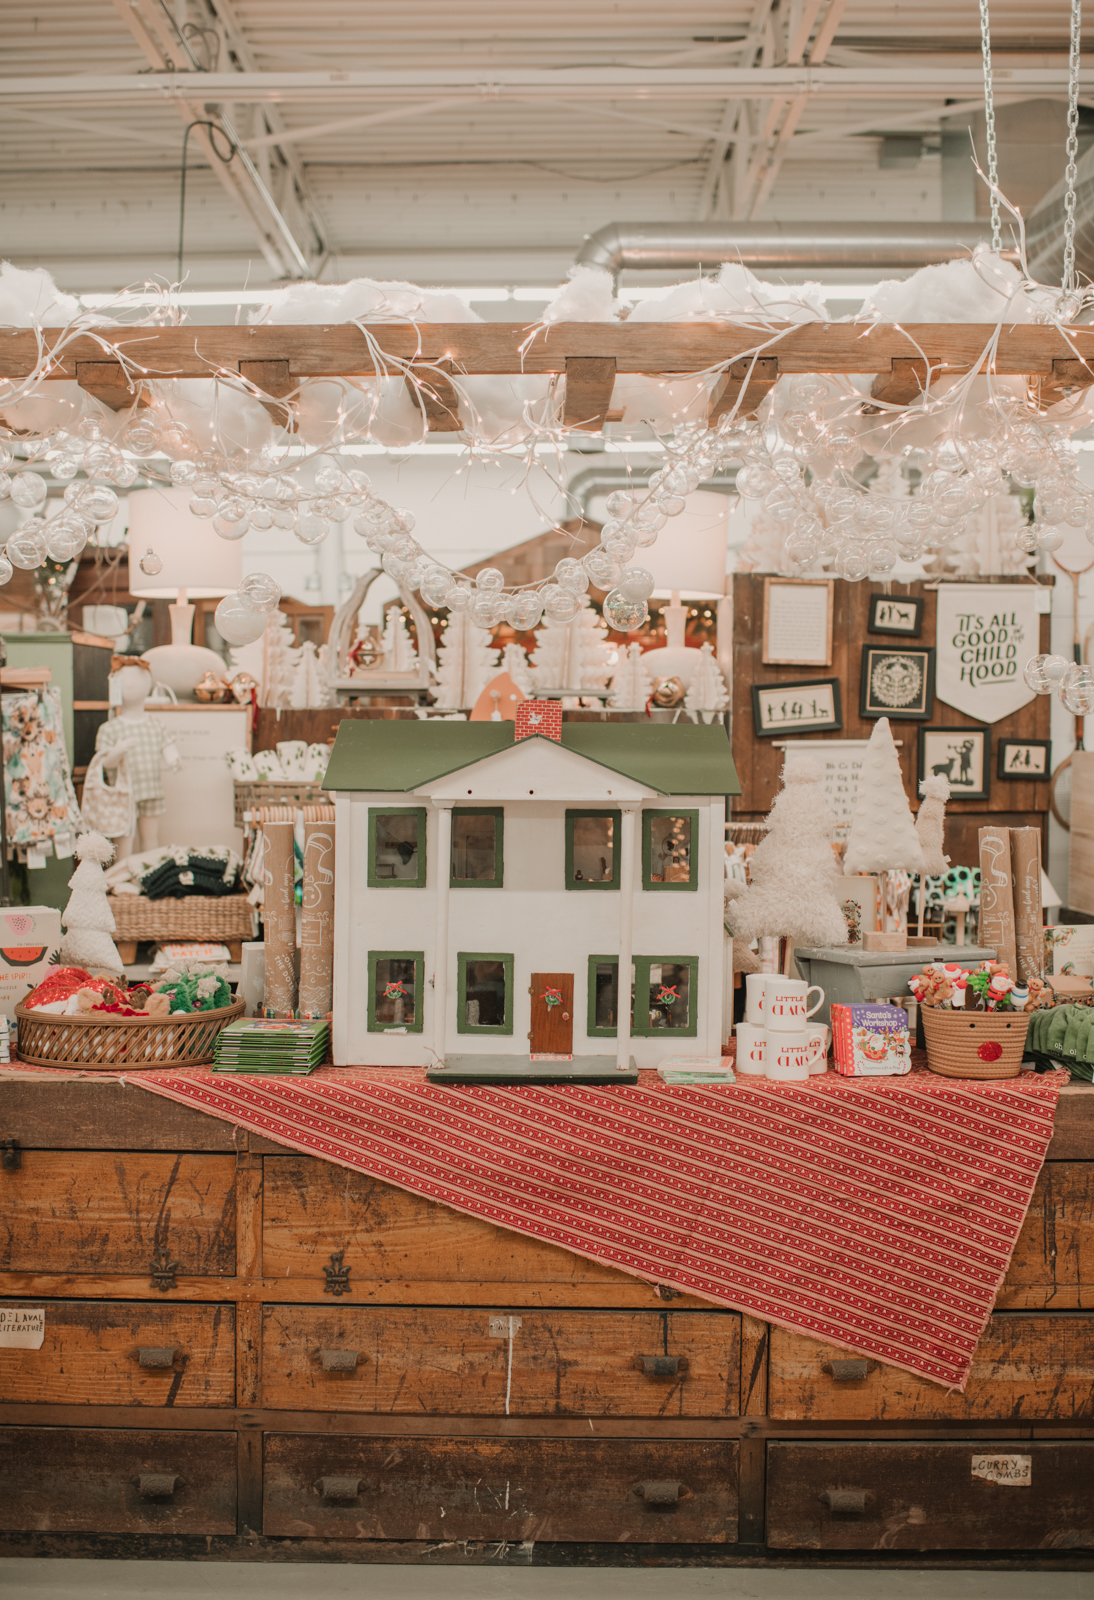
(690, 553)
(194, 557)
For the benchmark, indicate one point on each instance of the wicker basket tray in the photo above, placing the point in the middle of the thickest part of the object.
(223, 919)
(249, 796)
(115, 1044)
(974, 1044)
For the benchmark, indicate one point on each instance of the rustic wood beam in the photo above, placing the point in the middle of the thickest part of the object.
(107, 382)
(589, 384)
(757, 378)
(501, 348)
(1067, 375)
(906, 381)
(277, 383)
(431, 391)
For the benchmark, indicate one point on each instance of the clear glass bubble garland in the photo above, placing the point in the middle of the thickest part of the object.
(1043, 674)
(237, 622)
(150, 564)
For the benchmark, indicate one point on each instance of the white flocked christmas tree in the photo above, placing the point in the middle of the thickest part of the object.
(272, 661)
(514, 661)
(572, 655)
(88, 919)
(632, 685)
(794, 889)
(882, 837)
(309, 686)
(707, 690)
(465, 663)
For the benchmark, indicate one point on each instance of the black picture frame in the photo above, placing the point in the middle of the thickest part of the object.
(827, 721)
(942, 753)
(1006, 769)
(886, 611)
(896, 706)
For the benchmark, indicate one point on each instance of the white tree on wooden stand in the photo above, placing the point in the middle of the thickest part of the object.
(88, 919)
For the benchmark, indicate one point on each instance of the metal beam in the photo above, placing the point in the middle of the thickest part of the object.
(724, 139)
(715, 83)
(194, 100)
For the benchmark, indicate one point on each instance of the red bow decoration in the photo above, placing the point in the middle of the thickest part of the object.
(395, 991)
(667, 996)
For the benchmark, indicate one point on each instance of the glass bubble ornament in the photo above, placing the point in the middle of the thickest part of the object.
(1028, 539)
(405, 518)
(99, 502)
(570, 574)
(98, 458)
(150, 563)
(7, 456)
(852, 565)
(1077, 690)
(620, 547)
(435, 585)
(6, 481)
(561, 605)
(459, 597)
(526, 610)
(672, 505)
(182, 472)
(230, 526)
(602, 570)
(881, 558)
(619, 503)
(261, 591)
(490, 580)
(637, 583)
(261, 517)
(1049, 538)
(311, 529)
(1043, 673)
(6, 568)
(27, 548)
(28, 490)
(329, 478)
(65, 468)
(237, 622)
(142, 436)
(393, 566)
(624, 614)
(65, 538)
(802, 549)
(487, 608)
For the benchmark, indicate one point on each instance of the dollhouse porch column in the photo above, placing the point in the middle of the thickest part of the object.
(443, 870)
(628, 866)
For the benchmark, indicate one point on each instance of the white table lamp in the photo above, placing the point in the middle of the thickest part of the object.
(688, 562)
(196, 563)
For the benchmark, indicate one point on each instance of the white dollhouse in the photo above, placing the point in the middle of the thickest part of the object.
(501, 901)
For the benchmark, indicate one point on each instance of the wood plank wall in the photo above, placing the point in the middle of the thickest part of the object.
(1010, 803)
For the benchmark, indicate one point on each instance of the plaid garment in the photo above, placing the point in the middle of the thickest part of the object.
(145, 762)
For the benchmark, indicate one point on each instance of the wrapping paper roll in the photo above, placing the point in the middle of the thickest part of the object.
(1029, 937)
(317, 921)
(997, 929)
(279, 919)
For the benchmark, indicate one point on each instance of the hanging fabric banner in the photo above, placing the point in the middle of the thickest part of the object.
(986, 634)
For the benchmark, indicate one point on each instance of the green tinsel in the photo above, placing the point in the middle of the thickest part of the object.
(185, 997)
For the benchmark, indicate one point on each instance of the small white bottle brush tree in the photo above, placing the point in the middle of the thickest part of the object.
(88, 919)
(707, 691)
(632, 685)
(882, 836)
(793, 893)
(465, 663)
(930, 827)
(572, 655)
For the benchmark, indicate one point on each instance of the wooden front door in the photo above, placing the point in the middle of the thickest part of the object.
(552, 1031)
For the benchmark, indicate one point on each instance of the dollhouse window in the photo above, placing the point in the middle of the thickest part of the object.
(484, 993)
(592, 838)
(477, 847)
(670, 841)
(663, 995)
(395, 990)
(396, 848)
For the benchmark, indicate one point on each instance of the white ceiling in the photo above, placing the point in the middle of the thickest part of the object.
(512, 129)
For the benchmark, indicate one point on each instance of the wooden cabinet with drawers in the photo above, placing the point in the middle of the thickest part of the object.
(248, 1352)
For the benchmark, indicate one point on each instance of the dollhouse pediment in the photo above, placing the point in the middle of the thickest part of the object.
(536, 769)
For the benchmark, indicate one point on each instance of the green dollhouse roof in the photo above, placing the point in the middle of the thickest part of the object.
(680, 758)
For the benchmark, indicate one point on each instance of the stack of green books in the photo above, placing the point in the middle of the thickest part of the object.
(261, 1044)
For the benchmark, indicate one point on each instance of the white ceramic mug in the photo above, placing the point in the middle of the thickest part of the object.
(791, 1060)
(817, 1034)
(786, 1008)
(754, 1003)
(750, 1049)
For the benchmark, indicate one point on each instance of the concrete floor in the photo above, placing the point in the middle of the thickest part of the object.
(216, 1580)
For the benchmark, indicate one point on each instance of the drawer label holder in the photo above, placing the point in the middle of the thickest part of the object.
(1015, 1470)
(22, 1327)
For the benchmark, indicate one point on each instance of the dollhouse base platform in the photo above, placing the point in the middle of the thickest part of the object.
(525, 1069)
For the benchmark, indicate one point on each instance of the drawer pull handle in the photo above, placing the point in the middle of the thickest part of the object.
(339, 1360)
(662, 1492)
(338, 1488)
(150, 1355)
(157, 1485)
(847, 1371)
(846, 1502)
(662, 1366)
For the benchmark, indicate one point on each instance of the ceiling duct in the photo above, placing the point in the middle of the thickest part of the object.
(782, 246)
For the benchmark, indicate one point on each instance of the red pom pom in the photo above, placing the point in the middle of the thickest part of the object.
(990, 1051)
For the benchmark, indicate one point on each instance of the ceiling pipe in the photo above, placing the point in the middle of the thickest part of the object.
(815, 246)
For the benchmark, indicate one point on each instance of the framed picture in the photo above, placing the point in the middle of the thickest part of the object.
(1025, 758)
(811, 706)
(897, 681)
(960, 754)
(892, 614)
(798, 622)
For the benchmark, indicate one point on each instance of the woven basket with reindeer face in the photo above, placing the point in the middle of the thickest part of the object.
(974, 1044)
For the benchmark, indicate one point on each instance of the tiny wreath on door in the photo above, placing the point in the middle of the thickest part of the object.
(553, 997)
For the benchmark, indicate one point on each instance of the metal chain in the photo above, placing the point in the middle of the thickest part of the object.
(1071, 282)
(989, 123)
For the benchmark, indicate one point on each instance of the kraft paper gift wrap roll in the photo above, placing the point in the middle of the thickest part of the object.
(997, 896)
(279, 919)
(1029, 935)
(317, 921)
